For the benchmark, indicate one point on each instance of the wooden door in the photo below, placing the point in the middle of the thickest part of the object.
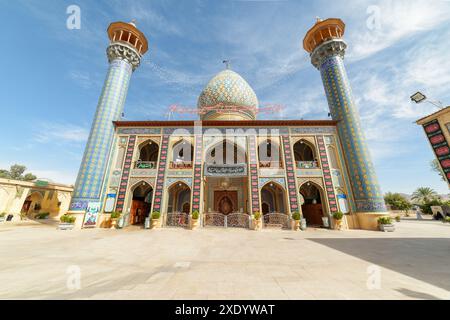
(313, 214)
(220, 197)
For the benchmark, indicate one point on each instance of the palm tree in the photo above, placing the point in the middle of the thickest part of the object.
(424, 195)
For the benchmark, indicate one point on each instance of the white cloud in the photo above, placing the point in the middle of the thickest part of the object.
(60, 133)
(389, 21)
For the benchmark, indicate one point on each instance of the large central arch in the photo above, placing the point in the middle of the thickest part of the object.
(225, 152)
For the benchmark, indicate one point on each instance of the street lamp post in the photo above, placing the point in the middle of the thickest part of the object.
(419, 97)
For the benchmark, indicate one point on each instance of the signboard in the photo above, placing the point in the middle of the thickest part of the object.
(41, 183)
(110, 201)
(226, 170)
(91, 215)
(440, 146)
(343, 203)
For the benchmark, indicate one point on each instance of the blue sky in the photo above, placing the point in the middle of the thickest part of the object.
(52, 76)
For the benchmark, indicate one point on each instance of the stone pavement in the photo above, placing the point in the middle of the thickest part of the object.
(40, 262)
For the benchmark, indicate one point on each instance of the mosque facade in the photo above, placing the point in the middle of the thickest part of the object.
(228, 165)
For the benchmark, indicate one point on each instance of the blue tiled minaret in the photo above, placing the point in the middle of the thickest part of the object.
(127, 45)
(327, 48)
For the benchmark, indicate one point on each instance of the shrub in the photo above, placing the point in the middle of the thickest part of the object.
(67, 218)
(115, 215)
(384, 220)
(397, 218)
(257, 215)
(338, 215)
(397, 201)
(195, 214)
(156, 215)
(3, 214)
(296, 216)
(426, 206)
(446, 220)
(42, 215)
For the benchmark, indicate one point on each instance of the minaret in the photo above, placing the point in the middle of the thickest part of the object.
(126, 48)
(327, 49)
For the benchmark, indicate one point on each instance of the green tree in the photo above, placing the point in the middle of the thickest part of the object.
(29, 177)
(436, 167)
(397, 201)
(15, 172)
(424, 194)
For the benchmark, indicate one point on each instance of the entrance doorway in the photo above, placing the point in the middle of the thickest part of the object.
(312, 207)
(225, 201)
(141, 203)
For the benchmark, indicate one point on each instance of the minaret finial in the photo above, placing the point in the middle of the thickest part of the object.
(227, 64)
(133, 22)
(318, 19)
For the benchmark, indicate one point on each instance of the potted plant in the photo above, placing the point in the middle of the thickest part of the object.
(67, 222)
(296, 218)
(194, 219)
(43, 215)
(156, 223)
(113, 218)
(385, 224)
(256, 220)
(2, 216)
(337, 216)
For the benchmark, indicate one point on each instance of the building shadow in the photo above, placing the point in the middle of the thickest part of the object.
(417, 295)
(425, 259)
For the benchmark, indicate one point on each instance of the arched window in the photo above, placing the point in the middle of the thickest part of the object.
(269, 154)
(225, 152)
(148, 155)
(182, 155)
(304, 155)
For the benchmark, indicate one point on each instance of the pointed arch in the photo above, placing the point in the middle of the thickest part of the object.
(141, 194)
(218, 153)
(314, 203)
(182, 154)
(148, 154)
(274, 195)
(269, 154)
(179, 199)
(305, 154)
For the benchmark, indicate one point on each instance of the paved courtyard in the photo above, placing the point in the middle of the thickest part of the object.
(40, 262)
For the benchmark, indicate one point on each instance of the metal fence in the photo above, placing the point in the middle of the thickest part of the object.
(177, 219)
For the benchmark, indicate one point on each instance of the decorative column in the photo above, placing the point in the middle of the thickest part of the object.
(124, 53)
(327, 49)
(197, 183)
(253, 176)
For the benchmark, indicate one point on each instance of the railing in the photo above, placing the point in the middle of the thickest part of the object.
(215, 219)
(307, 164)
(180, 165)
(232, 220)
(238, 220)
(270, 164)
(177, 219)
(145, 165)
(275, 219)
